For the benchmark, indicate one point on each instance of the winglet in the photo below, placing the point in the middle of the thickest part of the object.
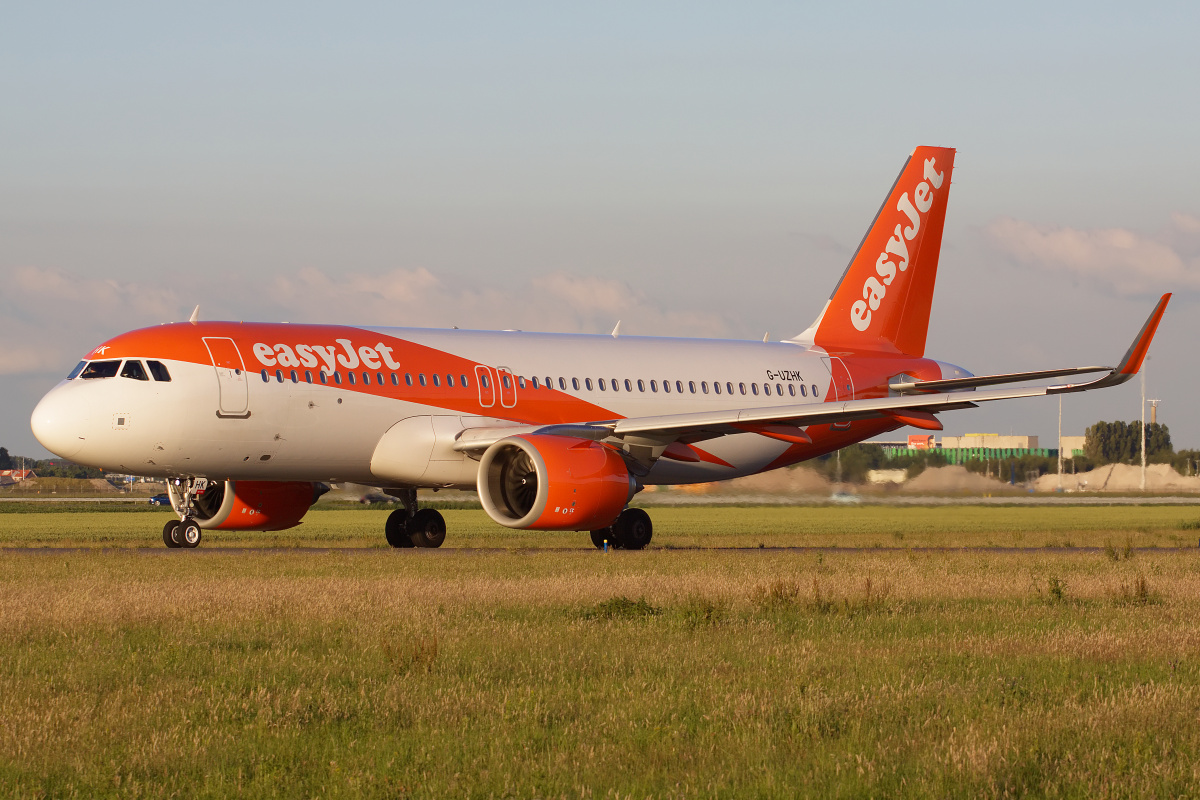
(1132, 362)
(195, 315)
(616, 329)
(1134, 356)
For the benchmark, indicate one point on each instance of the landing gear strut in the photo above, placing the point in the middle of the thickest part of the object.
(413, 527)
(184, 532)
(631, 530)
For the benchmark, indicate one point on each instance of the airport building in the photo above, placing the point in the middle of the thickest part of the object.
(982, 447)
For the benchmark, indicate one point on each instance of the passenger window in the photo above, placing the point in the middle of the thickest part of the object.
(814, 390)
(266, 377)
(628, 385)
(324, 378)
(462, 381)
(337, 378)
(767, 389)
(779, 389)
(134, 369)
(505, 381)
(667, 387)
(549, 382)
(295, 378)
(562, 384)
(616, 384)
(803, 390)
(754, 389)
(379, 378)
(395, 379)
(654, 386)
(449, 380)
(78, 369)
(350, 377)
(100, 369)
(408, 379)
(602, 384)
(641, 385)
(421, 379)
(575, 383)
(520, 381)
(679, 387)
(704, 386)
(307, 376)
(279, 376)
(742, 386)
(483, 381)
(366, 379)
(717, 387)
(588, 383)
(792, 389)
(729, 387)
(158, 371)
(437, 381)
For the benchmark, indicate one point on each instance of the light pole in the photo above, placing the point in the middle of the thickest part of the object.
(1060, 445)
(1143, 430)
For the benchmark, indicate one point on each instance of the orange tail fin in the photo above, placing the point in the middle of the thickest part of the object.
(882, 302)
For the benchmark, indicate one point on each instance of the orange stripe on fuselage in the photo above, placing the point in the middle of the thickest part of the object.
(184, 342)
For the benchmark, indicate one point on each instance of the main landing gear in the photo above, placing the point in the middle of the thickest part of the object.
(184, 532)
(630, 531)
(413, 527)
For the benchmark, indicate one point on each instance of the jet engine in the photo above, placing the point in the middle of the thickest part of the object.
(253, 505)
(554, 483)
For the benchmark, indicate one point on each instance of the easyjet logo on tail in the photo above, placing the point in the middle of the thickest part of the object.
(875, 286)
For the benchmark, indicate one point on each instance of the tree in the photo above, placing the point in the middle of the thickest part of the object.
(5, 459)
(1108, 442)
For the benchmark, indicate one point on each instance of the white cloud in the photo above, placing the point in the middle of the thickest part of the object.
(1130, 262)
(55, 316)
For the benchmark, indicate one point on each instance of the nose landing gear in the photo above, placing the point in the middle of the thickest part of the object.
(184, 532)
(413, 527)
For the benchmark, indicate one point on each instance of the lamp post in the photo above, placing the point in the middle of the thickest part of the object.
(1060, 444)
(1143, 430)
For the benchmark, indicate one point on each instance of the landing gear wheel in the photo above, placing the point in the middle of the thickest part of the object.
(427, 528)
(601, 536)
(633, 529)
(395, 530)
(189, 533)
(171, 534)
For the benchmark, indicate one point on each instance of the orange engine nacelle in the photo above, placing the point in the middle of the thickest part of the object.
(553, 483)
(255, 505)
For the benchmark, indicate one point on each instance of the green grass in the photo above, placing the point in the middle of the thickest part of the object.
(541, 668)
(568, 674)
(675, 527)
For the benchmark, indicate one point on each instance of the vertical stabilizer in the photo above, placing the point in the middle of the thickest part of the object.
(882, 302)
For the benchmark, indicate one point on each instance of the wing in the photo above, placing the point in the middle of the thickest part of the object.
(649, 438)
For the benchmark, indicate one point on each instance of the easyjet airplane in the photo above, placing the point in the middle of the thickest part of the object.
(249, 422)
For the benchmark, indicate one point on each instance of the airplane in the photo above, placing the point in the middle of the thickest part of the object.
(251, 422)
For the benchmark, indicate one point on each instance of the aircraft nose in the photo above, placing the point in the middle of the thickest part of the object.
(59, 423)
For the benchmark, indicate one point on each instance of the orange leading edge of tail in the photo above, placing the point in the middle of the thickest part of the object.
(883, 300)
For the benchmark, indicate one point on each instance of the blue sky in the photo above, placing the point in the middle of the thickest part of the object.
(691, 169)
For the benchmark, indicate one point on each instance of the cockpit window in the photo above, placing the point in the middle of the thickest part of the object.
(100, 369)
(159, 371)
(134, 369)
(78, 369)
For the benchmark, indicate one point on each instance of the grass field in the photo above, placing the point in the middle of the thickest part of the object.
(676, 672)
(39, 525)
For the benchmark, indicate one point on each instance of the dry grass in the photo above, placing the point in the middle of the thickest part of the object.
(568, 674)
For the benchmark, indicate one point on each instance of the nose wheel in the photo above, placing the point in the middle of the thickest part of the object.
(185, 533)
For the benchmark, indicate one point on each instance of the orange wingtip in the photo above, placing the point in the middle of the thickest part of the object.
(1137, 352)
